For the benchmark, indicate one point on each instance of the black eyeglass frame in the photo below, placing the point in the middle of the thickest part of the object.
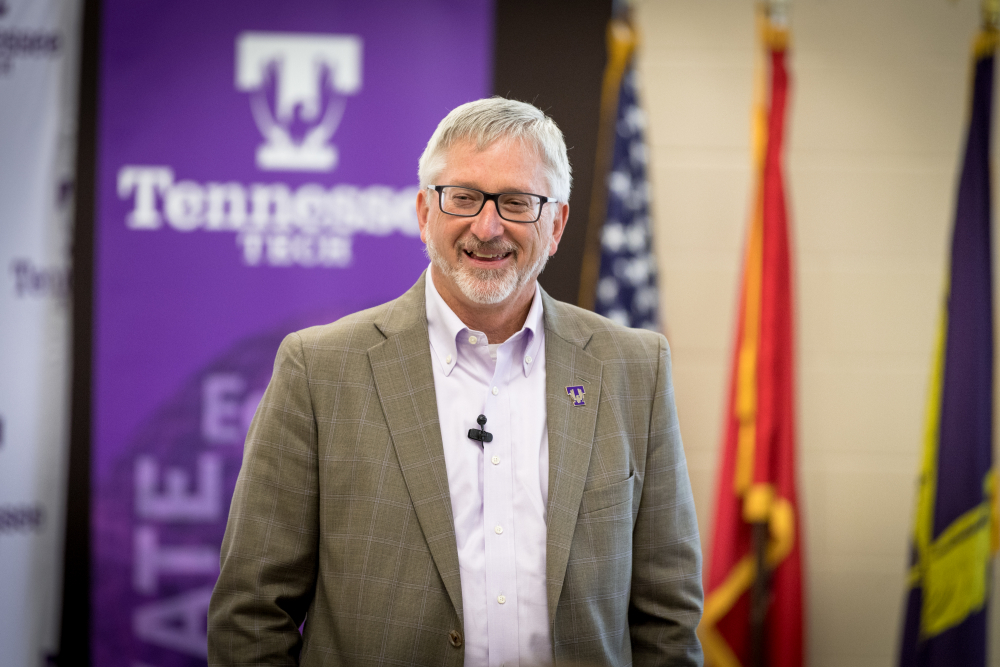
(493, 197)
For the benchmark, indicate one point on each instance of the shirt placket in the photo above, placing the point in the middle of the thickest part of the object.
(498, 516)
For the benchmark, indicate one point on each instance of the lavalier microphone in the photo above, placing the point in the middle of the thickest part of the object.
(480, 433)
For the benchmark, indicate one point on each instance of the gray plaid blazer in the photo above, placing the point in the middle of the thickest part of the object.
(342, 513)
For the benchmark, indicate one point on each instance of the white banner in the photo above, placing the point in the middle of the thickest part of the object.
(39, 51)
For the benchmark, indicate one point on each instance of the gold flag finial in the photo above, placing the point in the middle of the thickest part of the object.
(777, 12)
(991, 14)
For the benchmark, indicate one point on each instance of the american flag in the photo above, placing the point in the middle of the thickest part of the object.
(626, 288)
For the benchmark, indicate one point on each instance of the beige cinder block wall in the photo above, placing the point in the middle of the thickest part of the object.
(877, 116)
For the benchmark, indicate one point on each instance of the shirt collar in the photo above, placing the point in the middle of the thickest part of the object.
(444, 326)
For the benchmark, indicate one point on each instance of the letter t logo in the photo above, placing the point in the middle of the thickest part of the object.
(576, 393)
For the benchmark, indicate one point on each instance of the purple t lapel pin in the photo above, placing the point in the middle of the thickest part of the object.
(576, 393)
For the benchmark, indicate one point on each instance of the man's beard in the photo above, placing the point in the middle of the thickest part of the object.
(487, 286)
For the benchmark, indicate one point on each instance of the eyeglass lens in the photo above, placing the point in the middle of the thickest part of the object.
(511, 206)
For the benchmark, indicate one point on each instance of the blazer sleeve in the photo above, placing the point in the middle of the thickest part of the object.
(269, 553)
(666, 601)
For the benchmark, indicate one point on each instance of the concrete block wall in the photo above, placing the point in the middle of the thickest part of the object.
(876, 128)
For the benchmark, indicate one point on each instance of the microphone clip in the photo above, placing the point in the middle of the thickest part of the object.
(480, 434)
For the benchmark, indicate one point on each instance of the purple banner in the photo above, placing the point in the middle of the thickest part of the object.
(257, 174)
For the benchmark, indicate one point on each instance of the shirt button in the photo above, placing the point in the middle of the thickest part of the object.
(455, 638)
(501, 599)
(496, 391)
(495, 460)
(447, 359)
(527, 360)
(473, 340)
(498, 530)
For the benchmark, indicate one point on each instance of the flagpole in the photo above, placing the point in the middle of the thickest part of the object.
(760, 597)
(776, 15)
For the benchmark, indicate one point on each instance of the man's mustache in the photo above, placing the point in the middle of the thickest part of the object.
(491, 247)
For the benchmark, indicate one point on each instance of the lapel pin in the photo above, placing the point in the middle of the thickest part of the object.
(576, 393)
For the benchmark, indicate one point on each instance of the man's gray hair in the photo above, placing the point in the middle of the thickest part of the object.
(498, 119)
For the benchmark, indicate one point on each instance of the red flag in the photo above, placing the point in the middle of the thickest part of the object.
(757, 476)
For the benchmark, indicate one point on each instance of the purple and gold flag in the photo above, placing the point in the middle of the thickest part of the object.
(955, 529)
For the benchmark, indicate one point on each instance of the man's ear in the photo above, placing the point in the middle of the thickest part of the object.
(423, 210)
(558, 226)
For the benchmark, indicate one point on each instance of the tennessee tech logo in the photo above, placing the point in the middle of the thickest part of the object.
(576, 393)
(298, 83)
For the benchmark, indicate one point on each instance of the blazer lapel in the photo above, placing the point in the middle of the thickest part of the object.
(404, 380)
(571, 433)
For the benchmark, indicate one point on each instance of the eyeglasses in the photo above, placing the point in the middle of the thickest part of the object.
(512, 206)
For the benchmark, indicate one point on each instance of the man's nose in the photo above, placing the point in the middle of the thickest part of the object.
(488, 224)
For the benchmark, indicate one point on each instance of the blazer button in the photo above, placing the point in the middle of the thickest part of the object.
(455, 638)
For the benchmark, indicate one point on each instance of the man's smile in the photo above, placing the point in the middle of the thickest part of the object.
(475, 254)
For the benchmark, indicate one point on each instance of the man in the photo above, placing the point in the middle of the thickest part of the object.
(377, 504)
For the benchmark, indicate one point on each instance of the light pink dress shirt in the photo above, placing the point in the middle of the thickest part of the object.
(499, 490)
